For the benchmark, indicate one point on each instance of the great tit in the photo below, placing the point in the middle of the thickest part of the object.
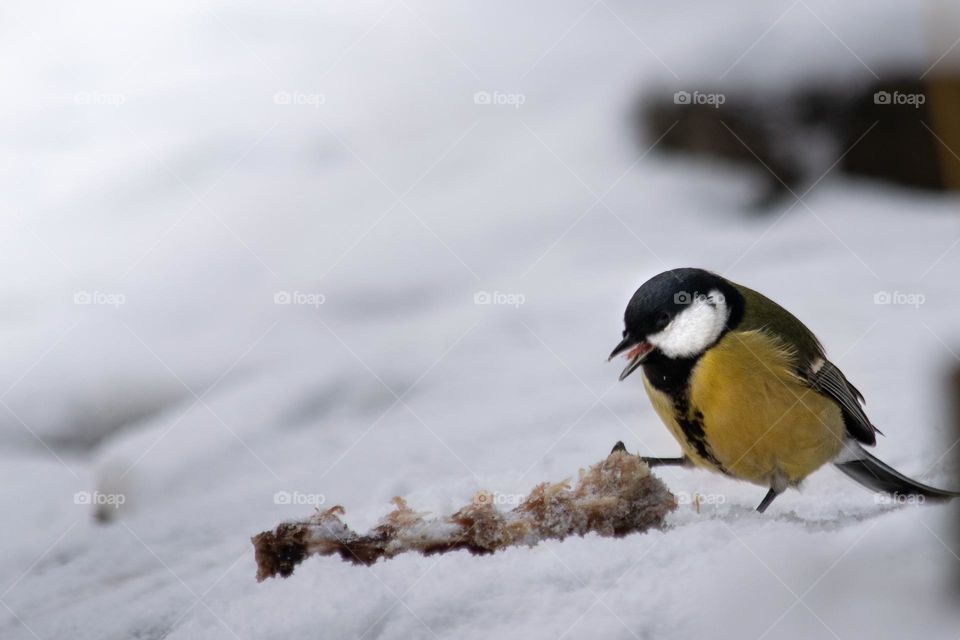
(746, 388)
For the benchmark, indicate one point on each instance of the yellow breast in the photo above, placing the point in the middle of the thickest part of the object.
(758, 419)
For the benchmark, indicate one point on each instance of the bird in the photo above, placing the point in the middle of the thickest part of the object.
(746, 388)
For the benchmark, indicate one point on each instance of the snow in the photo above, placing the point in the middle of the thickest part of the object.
(147, 158)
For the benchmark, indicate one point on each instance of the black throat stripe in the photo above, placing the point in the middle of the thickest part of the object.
(672, 377)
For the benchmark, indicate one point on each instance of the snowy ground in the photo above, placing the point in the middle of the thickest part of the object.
(151, 159)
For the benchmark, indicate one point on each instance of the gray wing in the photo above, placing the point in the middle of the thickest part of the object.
(825, 377)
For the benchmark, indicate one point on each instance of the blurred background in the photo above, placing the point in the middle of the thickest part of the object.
(261, 258)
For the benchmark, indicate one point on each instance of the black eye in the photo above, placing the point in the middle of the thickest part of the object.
(663, 319)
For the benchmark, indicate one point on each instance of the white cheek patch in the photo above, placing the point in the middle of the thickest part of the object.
(695, 328)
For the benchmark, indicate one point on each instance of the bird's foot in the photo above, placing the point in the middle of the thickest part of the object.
(768, 499)
(682, 461)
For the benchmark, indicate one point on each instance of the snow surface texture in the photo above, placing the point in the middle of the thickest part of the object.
(209, 161)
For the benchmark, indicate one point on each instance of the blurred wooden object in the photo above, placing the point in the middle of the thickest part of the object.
(945, 113)
(902, 145)
(954, 393)
(942, 20)
(900, 130)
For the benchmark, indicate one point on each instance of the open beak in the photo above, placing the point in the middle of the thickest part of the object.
(637, 351)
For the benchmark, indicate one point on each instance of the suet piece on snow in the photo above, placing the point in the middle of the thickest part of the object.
(614, 497)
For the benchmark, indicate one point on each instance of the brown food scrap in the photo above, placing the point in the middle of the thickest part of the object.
(614, 497)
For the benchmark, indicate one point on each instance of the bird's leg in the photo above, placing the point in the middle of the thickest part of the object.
(768, 499)
(682, 461)
(778, 484)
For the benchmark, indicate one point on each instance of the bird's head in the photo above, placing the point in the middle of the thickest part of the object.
(679, 313)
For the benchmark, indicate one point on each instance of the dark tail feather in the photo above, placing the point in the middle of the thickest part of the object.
(879, 476)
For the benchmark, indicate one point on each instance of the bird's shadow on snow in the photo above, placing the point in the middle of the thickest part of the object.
(739, 513)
